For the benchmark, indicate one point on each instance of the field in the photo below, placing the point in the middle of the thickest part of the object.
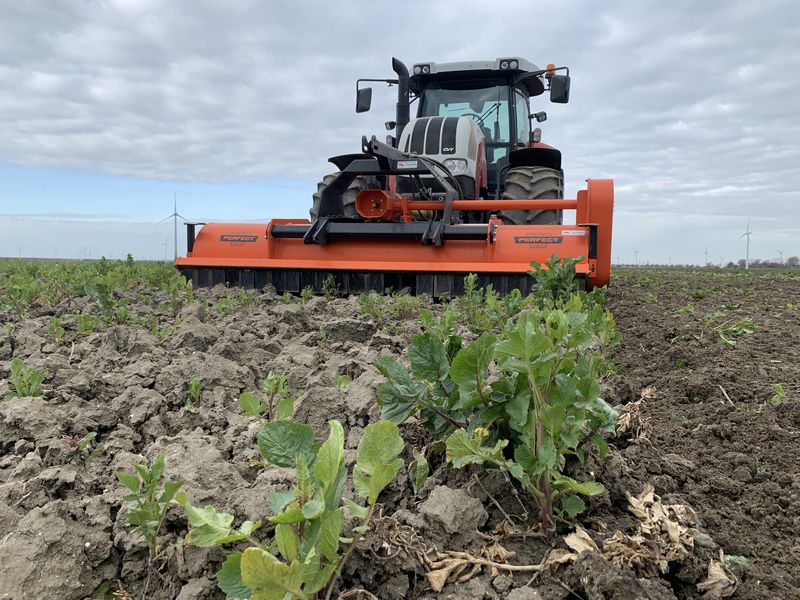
(134, 364)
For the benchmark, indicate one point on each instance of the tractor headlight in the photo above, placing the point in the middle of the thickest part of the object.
(503, 64)
(426, 69)
(417, 70)
(456, 165)
(513, 64)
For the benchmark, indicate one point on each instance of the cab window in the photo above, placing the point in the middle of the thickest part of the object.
(488, 107)
(522, 116)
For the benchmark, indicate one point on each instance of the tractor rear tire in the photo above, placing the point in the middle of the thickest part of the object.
(349, 197)
(533, 183)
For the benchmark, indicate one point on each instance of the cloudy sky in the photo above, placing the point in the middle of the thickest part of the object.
(110, 108)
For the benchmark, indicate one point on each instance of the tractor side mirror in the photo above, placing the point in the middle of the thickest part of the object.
(559, 89)
(363, 99)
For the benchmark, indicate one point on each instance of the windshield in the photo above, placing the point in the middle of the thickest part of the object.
(487, 106)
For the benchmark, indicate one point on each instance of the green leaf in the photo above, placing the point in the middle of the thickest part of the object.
(129, 480)
(427, 357)
(517, 410)
(606, 415)
(170, 489)
(376, 459)
(330, 529)
(571, 506)
(470, 369)
(320, 580)
(356, 510)
(553, 418)
(251, 404)
(280, 442)
(288, 541)
(209, 527)
(291, 515)
(269, 578)
(463, 449)
(285, 409)
(398, 396)
(157, 470)
(418, 471)
(547, 455)
(587, 488)
(229, 578)
(279, 499)
(302, 487)
(248, 527)
(395, 405)
(330, 461)
(311, 532)
(313, 508)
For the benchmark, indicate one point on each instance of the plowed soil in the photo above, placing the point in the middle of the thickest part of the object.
(717, 442)
(708, 437)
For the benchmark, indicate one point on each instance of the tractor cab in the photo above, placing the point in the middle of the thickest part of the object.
(494, 97)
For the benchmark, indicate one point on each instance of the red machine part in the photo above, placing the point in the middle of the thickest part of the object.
(506, 249)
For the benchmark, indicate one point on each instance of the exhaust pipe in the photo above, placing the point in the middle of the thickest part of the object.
(403, 113)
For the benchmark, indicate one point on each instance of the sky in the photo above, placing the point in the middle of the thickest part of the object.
(112, 109)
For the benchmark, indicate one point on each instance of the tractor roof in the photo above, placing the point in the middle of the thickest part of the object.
(509, 67)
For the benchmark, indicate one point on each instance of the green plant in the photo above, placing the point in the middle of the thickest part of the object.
(729, 329)
(86, 323)
(470, 305)
(159, 332)
(687, 309)
(193, 390)
(149, 500)
(55, 329)
(342, 382)
(224, 305)
(304, 557)
(778, 395)
(244, 298)
(179, 290)
(374, 305)
(279, 403)
(306, 294)
(735, 562)
(25, 380)
(81, 447)
(418, 470)
(330, 289)
(556, 278)
(542, 405)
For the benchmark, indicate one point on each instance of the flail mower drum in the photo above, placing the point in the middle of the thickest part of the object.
(465, 187)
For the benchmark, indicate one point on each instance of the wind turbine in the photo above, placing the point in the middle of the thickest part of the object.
(706, 253)
(635, 256)
(166, 247)
(747, 255)
(174, 216)
(781, 254)
(84, 251)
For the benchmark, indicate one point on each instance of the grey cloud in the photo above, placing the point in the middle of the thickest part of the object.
(690, 106)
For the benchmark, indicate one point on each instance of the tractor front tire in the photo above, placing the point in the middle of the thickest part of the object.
(533, 183)
(349, 197)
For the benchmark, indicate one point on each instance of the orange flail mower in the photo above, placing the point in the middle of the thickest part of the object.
(465, 187)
